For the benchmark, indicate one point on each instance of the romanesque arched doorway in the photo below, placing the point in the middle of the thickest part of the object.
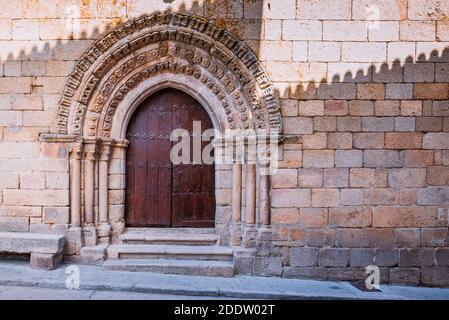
(159, 191)
(133, 62)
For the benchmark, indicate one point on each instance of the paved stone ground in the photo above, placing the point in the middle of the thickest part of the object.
(30, 293)
(96, 283)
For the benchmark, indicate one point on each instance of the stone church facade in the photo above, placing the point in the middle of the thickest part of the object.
(353, 94)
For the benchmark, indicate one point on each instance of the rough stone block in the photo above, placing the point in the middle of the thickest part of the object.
(348, 158)
(383, 159)
(375, 91)
(335, 107)
(404, 124)
(304, 257)
(351, 124)
(336, 178)
(318, 158)
(387, 108)
(325, 124)
(310, 178)
(417, 257)
(306, 272)
(345, 31)
(360, 108)
(442, 256)
(434, 237)
(371, 124)
(419, 72)
(362, 257)
(285, 198)
(48, 261)
(406, 177)
(402, 217)
(14, 224)
(430, 91)
(399, 91)
(324, 198)
(313, 217)
(438, 277)
(417, 31)
(429, 124)
(368, 140)
(311, 108)
(351, 217)
(285, 178)
(362, 178)
(298, 125)
(314, 141)
(339, 140)
(438, 176)
(334, 257)
(436, 141)
(433, 196)
(418, 158)
(408, 237)
(405, 276)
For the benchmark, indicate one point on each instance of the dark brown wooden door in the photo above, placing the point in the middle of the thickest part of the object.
(159, 193)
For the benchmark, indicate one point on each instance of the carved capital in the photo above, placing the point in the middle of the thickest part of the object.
(76, 151)
(105, 150)
(90, 151)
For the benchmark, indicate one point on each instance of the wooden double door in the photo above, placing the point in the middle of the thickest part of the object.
(158, 192)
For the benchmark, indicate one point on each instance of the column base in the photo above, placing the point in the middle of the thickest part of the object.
(47, 261)
(264, 237)
(90, 235)
(236, 234)
(249, 236)
(73, 241)
(104, 233)
(264, 233)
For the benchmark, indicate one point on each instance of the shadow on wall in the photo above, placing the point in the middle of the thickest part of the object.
(37, 67)
(388, 81)
(427, 68)
(416, 88)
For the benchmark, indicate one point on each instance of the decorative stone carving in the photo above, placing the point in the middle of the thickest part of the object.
(202, 44)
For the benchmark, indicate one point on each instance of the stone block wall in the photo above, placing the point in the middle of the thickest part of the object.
(364, 90)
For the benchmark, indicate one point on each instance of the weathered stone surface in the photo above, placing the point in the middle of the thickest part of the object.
(47, 261)
(405, 276)
(304, 257)
(406, 217)
(19, 242)
(334, 257)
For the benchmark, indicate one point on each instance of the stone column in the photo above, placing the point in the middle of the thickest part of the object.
(74, 239)
(75, 185)
(104, 228)
(117, 165)
(264, 231)
(89, 230)
(236, 226)
(250, 219)
(264, 197)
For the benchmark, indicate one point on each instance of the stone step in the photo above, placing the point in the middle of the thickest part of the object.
(169, 238)
(166, 266)
(171, 230)
(146, 251)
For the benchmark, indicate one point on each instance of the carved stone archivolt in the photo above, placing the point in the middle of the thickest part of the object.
(167, 43)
